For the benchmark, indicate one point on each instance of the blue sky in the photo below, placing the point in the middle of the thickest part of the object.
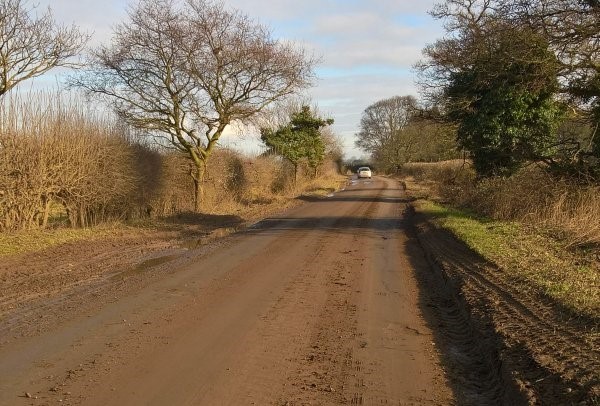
(367, 47)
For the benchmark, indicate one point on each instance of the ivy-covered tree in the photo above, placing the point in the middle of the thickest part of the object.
(498, 84)
(505, 104)
(299, 139)
(571, 28)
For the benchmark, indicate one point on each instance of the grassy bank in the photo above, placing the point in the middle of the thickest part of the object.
(543, 230)
(533, 196)
(571, 278)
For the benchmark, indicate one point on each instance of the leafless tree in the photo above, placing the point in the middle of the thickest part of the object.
(400, 130)
(185, 71)
(382, 120)
(31, 46)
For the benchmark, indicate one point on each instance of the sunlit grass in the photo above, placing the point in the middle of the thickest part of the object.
(571, 278)
(37, 239)
(324, 186)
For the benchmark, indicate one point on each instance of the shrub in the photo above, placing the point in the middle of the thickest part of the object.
(531, 195)
(54, 152)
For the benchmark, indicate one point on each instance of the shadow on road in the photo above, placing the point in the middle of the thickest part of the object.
(340, 197)
(192, 218)
(344, 223)
(191, 226)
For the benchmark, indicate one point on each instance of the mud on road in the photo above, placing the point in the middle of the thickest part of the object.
(353, 299)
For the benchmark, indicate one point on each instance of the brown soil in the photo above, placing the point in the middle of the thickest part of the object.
(41, 285)
(551, 354)
(350, 299)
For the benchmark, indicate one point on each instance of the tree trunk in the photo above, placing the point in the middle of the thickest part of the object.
(197, 174)
(197, 195)
(295, 175)
(46, 212)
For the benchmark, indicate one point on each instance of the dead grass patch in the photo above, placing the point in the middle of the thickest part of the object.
(532, 196)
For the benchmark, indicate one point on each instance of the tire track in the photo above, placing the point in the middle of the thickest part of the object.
(533, 344)
(327, 358)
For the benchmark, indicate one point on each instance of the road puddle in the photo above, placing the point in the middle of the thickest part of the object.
(208, 237)
(143, 267)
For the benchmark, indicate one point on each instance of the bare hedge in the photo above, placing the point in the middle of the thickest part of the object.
(61, 163)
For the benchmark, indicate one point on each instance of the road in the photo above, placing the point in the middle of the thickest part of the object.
(318, 306)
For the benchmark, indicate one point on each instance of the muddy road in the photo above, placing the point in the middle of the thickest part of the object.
(333, 302)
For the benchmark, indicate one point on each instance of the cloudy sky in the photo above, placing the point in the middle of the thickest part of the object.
(367, 47)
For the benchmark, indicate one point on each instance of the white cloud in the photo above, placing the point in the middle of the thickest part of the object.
(94, 17)
(367, 46)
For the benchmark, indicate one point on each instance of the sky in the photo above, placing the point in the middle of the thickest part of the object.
(366, 48)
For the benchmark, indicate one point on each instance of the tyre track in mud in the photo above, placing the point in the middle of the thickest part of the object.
(34, 315)
(309, 356)
(469, 354)
(53, 268)
(532, 348)
(327, 364)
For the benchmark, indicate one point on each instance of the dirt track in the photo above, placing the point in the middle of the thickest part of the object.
(338, 301)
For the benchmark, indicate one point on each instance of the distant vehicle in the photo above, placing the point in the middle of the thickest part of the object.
(364, 172)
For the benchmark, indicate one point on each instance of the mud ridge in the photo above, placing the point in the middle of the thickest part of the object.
(505, 342)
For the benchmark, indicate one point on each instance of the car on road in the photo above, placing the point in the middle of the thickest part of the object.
(364, 172)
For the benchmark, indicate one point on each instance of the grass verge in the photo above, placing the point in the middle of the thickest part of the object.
(570, 278)
(36, 240)
(39, 239)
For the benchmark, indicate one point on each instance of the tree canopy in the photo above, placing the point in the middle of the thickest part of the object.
(31, 45)
(299, 139)
(185, 71)
(500, 78)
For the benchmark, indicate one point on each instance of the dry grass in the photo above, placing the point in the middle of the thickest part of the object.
(440, 171)
(577, 212)
(570, 278)
(571, 212)
(537, 228)
(237, 183)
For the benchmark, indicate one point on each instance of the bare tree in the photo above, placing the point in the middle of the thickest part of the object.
(30, 46)
(400, 130)
(382, 120)
(185, 71)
